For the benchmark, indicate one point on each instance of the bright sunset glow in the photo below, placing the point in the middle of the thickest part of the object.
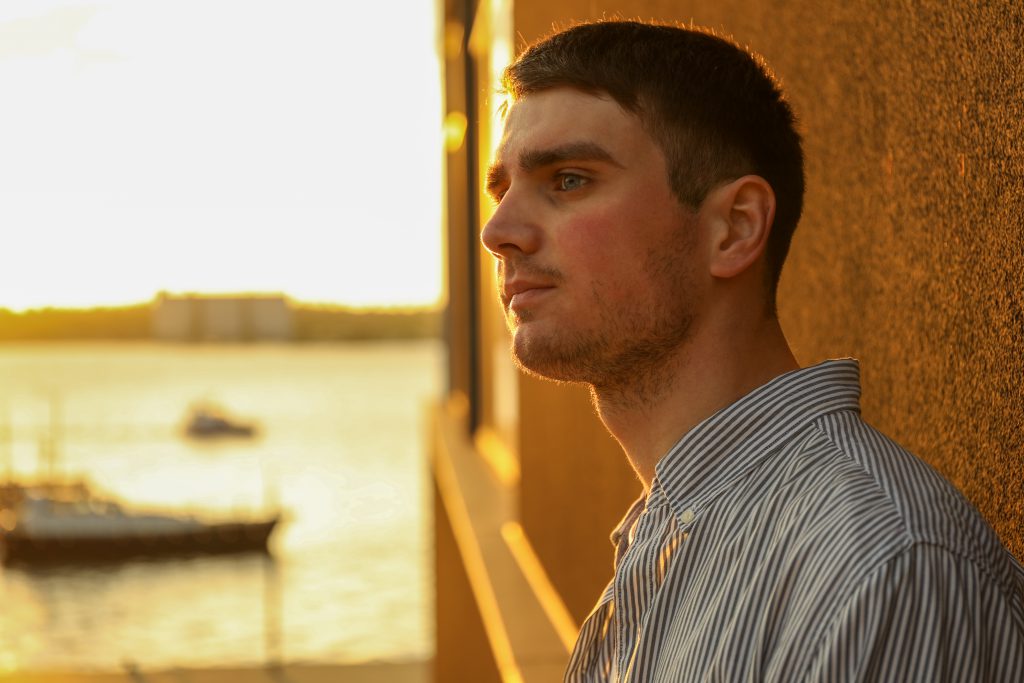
(219, 146)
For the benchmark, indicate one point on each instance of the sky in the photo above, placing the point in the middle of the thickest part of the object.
(219, 146)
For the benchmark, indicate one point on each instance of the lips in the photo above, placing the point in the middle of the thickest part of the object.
(513, 287)
(519, 293)
(523, 283)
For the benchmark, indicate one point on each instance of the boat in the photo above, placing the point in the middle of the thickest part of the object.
(42, 528)
(206, 420)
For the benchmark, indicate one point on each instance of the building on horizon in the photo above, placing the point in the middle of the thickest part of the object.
(219, 318)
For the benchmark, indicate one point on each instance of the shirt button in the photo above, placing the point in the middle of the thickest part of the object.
(687, 516)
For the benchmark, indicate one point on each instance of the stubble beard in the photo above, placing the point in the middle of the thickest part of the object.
(627, 358)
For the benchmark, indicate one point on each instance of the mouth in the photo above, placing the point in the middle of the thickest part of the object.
(528, 298)
(519, 294)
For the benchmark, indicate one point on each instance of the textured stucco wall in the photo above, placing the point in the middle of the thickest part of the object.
(910, 255)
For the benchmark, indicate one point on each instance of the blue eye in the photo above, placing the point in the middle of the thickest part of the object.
(568, 182)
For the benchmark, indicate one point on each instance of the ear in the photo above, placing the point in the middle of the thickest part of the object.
(740, 216)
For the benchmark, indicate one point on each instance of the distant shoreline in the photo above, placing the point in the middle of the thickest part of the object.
(306, 323)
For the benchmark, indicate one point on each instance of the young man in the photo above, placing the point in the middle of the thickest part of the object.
(647, 186)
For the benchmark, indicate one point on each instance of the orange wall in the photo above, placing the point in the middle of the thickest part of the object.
(910, 255)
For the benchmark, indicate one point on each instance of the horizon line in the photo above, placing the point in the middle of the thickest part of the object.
(253, 294)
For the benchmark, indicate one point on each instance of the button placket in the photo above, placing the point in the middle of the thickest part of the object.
(638, 569)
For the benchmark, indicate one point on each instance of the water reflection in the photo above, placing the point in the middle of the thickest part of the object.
(65, 601)
(340, 450)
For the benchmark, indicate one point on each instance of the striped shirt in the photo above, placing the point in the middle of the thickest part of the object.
(783, 539)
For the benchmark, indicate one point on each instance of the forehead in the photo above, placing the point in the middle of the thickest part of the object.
(558, 116)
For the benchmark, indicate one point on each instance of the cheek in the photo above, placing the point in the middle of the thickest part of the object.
(608, 272)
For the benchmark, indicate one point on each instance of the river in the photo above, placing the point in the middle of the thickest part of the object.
(340, 449)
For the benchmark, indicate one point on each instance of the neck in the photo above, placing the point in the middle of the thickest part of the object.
(713, 369)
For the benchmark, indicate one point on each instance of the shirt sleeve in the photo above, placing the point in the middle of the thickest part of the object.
(926, 615)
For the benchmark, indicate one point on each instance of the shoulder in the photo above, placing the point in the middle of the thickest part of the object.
(926, 615)
(839, 500)
(919, 507)
(882, 542)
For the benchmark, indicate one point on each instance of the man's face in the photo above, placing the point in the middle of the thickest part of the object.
(595, 254)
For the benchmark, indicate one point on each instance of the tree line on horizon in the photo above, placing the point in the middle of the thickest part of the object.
(311, 323)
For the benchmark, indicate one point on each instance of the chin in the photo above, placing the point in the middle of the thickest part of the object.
(549, 356)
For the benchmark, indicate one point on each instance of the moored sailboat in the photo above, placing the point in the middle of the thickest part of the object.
(44, 528)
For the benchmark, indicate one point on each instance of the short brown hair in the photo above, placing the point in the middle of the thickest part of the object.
(713, 107)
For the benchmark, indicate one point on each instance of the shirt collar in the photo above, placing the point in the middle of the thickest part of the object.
(728, 443)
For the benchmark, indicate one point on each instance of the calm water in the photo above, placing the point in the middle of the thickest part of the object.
(341, 450)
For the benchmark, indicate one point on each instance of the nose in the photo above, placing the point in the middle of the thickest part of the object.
(510, 232)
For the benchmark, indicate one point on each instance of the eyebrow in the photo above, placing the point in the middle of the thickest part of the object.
(532, 159)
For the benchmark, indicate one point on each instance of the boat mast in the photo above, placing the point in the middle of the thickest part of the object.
(7, 441)
(48, 441)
